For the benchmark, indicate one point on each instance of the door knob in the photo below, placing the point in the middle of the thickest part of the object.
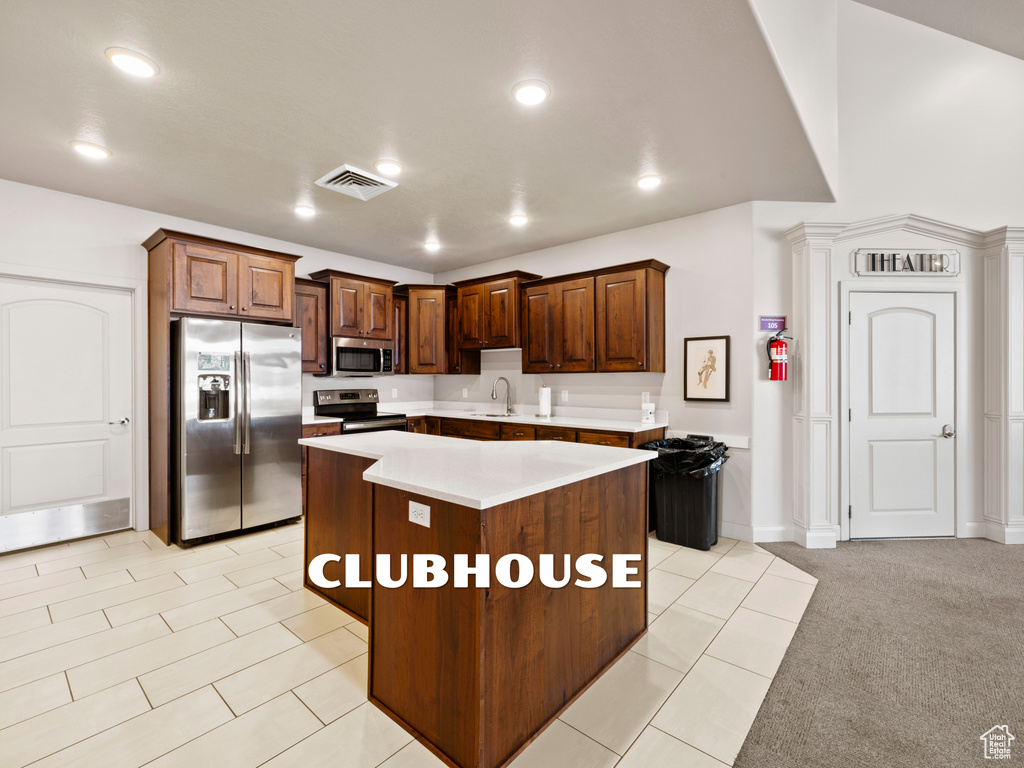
(122, 422)
(948, 431)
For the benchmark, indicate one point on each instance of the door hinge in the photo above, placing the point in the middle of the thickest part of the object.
(849, 513)
(849, 416)
(850, 320)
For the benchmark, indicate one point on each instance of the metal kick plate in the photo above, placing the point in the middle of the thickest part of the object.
(49, 526)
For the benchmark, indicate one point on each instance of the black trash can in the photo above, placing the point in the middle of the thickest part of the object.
(684, 498)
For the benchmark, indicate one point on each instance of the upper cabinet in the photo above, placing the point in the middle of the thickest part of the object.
(611, 319)
(217, 278)
(488, 310)
(630, 317)
(431, 330)
(311, 317)
(360, 307)
(558, 326)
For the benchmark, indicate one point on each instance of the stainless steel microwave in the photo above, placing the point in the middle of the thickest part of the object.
(362, 357)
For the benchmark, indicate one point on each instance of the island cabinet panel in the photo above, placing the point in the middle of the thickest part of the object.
(311, 317)
(499, 664)
(339, 519)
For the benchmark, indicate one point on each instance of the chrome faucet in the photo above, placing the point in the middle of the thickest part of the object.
(508, 394)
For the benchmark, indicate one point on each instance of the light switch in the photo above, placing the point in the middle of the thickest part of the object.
(394, 392)
(565, 395)
(419, 514)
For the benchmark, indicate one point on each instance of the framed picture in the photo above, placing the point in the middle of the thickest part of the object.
(706, 368)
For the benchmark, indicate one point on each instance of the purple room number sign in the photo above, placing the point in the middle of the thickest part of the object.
(772, 322)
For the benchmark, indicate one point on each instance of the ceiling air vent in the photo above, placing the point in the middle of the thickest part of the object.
(355, 183)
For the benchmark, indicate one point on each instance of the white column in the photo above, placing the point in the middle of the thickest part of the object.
(1004, 385)
(815, 368)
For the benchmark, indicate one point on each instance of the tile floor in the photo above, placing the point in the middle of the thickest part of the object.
(121, 652)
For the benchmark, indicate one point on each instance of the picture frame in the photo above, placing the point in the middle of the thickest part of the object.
(706, 368)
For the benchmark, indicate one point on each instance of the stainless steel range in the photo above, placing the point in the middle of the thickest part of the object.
(357, 409)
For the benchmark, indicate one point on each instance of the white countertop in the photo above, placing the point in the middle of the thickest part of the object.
(568, 422)
(477, 474)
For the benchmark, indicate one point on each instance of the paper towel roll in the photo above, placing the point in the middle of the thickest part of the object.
(544, 398)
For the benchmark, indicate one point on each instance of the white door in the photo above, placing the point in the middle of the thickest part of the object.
(65, 411)
(902, 401)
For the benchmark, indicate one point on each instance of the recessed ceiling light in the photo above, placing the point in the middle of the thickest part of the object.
(432, 245)
(531, 92)
(92, 151)
(518, 220)
(388, 167)
(305, 211)
(650, 181)
(133, 63)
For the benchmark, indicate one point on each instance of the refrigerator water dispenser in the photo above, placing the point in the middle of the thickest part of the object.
(214, 398)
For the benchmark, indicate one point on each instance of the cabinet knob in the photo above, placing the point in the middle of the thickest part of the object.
(640, 363)
(244, 308)
(551, 365)
(321, 365)
(232, 306)
(558, 366)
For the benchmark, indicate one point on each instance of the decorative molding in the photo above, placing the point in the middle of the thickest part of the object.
(769, 533)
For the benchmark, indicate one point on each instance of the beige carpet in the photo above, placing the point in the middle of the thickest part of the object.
(908, 652)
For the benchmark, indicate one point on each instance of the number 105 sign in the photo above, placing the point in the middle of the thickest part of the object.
(771, 322)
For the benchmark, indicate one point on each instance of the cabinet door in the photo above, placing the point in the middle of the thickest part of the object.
(556, 433)
(417, 425)
(539, 320)
(621, 321)
(426, 330)
(205, 280)
(574, 325)
(377, 310)
(500, 313)
(517, 432)
(311, 317)
(265, 287)
(346, 307)
(471, 317)
(401, 331)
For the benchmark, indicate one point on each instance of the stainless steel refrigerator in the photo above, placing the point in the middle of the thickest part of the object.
(238, 412)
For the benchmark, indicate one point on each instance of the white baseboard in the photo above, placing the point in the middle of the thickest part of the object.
(971, 529)
(1004, 534)
(737, 531)
(770, 533)
(818, 538)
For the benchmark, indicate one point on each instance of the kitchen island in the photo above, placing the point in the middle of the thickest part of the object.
(477, 673)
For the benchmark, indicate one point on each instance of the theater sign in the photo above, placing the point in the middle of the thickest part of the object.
(906, 263)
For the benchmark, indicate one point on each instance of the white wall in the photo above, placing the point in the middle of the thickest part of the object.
(53, 233)
(708, 292)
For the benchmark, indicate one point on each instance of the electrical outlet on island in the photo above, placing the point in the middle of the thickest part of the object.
(419, 514)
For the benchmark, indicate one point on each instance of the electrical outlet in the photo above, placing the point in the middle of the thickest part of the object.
(394, 392)
(565, 395)
(645, 397)
(465, 392)
(419, 514)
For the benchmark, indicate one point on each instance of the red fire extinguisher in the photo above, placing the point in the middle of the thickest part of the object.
(778, 357)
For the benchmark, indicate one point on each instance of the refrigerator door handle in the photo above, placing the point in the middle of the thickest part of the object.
(247, 384)
(238, 403)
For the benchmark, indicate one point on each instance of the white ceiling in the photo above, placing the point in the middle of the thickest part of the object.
(996, 24)
(255, 101)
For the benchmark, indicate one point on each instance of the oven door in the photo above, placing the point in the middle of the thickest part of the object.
(359, 357)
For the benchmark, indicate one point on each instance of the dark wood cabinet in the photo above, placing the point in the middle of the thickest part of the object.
(314, 430)
(457, 360)
(401, 332)
(488, 310)
(311, 317)
(560, 434)
(558, 326)
(630, 318)
(417, 424)
(518, 432)
(489, 430)
(224, 281)
(360, 307)
(427, 309)
(191, 275)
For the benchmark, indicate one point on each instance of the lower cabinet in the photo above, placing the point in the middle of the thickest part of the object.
(315, 430)
(518, 432)
(474, 430)
(556, 433)
(490, 430)
(604, 438)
